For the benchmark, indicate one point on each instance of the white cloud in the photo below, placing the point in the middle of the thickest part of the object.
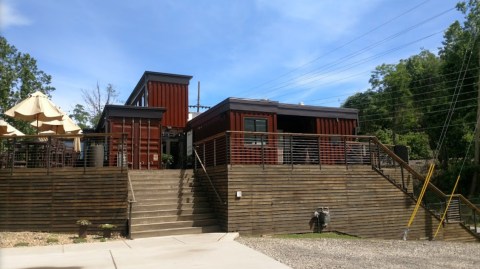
(9, 16)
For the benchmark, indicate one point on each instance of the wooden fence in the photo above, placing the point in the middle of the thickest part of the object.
(30, 200)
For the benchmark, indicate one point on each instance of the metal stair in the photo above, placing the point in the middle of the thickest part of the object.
(169, 202)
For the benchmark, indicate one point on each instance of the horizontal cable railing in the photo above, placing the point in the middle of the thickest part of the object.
(236, 148)
(50, 152)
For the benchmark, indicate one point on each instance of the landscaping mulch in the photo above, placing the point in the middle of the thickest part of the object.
(29, 239)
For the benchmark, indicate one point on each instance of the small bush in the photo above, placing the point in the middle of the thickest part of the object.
(21, 244)
(79, 240)
(52, 240)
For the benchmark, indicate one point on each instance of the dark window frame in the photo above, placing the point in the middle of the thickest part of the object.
(255, 140)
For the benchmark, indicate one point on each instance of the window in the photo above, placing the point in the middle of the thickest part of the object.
(255, 125)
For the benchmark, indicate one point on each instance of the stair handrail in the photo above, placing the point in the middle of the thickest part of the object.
(130, 185)
(407, 167)
(208, 177)
(130, 204)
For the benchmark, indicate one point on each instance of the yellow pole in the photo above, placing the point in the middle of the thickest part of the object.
(446, 208)
(419, 200)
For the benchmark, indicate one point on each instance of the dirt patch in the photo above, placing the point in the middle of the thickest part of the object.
(30, 239)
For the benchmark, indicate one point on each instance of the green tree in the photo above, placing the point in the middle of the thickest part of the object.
(19, 77)
(81, 116)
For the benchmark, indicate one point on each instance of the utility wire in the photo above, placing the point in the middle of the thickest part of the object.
(344, 45)
(365, 49)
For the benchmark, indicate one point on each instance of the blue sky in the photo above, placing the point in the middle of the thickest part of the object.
(315, 52)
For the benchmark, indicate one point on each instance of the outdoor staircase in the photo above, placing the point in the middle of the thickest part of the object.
(169, 202)
(453, 212)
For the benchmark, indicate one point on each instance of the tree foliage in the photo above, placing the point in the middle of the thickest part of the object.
(19, 77)
(408, 102)
(95, 100)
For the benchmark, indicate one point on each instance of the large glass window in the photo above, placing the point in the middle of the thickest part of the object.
(255, 125)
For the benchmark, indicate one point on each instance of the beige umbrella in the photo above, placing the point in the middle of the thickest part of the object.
(64, 126)
(36, 107)
(8, 130)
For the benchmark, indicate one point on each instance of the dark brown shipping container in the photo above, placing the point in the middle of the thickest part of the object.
(169, 91)
(173, 97)
(143, 140)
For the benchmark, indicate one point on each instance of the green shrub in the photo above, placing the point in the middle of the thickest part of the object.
(51, 240)
(79, 240)
(21, 244)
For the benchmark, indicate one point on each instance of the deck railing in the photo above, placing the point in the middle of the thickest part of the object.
(236, 148)
(49, 152)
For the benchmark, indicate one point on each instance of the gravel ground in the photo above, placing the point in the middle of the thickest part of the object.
(362, 253)
(29, 239)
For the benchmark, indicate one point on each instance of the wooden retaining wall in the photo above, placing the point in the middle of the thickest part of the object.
(277, 199)
(33, 201)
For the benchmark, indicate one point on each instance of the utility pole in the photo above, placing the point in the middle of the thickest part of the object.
(198, 97)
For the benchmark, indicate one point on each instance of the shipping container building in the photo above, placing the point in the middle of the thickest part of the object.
(170, 92)
(141, 146)
(272, 117)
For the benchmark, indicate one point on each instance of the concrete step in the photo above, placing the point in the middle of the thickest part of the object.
(173, 225)
(169, 195)
(166, 188)
(170, 212)
(175, 206)
(172, 218)
(198, 197)
(163, 185)
(176, 231)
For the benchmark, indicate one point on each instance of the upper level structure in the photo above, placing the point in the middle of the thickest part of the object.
(169, 91)
(235, 114)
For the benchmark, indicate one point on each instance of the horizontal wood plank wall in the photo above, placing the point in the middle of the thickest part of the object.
(361, 202)
(219, 176)
(53, 203)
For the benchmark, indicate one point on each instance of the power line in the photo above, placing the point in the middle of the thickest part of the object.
(316, 77)
(344, 45)
(367, 48)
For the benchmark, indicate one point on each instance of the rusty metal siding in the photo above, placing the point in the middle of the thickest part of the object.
(143, 141)
(336, 126)
(237, 119)
(173, 97)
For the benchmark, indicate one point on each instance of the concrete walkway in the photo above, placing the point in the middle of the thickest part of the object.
(214, 250)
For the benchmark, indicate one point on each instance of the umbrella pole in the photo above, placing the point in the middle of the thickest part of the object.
(37, 122)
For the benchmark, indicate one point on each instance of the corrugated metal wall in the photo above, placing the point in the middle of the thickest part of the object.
(173, 97)
(336, 126)
(143, 142)
(237, 120)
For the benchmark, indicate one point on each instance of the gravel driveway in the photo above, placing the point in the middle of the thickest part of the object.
(363, 253)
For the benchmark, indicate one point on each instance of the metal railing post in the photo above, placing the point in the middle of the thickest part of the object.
(263, 153)
(85, 144)
(49, 146)
(319, 152)
(370, 151)
(378, 157)
(122, 152)
(345, 152)
(13, 155)
(227, 149)
(291, 151)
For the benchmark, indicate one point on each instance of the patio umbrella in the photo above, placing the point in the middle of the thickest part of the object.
(8, 130)
(36, 107)
(64, 126)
